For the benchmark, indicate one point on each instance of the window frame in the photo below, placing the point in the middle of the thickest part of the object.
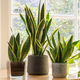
(76, 19)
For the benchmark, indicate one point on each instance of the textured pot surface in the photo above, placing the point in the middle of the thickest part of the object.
(17, 69)
(59, 70)
(38, 65)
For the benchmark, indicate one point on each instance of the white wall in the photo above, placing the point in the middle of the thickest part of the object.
(0, 34)
(4, 32)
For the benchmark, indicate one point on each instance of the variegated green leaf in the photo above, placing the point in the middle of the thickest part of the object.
(39, 47)
(19, 52)
(44, 34)
(72, 58)
(22, 18)
(39, 13)
(45, 30)
(11, 54)
(39, 44)
(49, 42)
(63, 41)
(48, 24)
(25, 48)
(18, 38)
(69, 49)
(32, 20)
(50, 56)
(24, 23)
(53, 53)
(54, 44)
(78, 46)
(11, 40)
(28, 21)
(75, 43)
(15, 46)
(50, 39)
(40, 30)
(47, 18)
(42, 13)
(63, 51)
(58, 37)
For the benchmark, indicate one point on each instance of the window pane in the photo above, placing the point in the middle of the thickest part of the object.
(18, 26)
(60, 6)
(18, 5)
(79, 29)
(79, 7)
(66, 29)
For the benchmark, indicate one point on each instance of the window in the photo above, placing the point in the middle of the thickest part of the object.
(18, 7)
(60, 11)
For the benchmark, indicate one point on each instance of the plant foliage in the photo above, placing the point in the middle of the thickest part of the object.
(18, 51)
(62, 51)
(37, 30)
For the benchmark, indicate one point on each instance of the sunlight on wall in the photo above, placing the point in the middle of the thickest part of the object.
(0, 34)
(4, 33)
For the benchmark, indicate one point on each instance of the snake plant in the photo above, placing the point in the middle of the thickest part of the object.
(62, 51)
(17, 50)
(37, 30)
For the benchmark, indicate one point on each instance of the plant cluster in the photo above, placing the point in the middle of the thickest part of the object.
(62, 51)
(18, 51)
(59, 52)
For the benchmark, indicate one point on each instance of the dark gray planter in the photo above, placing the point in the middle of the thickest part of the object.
(59, 70)
(37, 65)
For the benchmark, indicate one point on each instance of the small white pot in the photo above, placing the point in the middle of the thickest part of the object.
(59, 70)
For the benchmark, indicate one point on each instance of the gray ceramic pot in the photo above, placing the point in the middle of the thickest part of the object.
(59, 70)
(37, 65)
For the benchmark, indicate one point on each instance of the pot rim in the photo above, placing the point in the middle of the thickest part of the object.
(38, 55)
(18, 62)
(59, 63)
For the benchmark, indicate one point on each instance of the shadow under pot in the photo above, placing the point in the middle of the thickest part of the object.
(17, 69)
(38, 65)
(59, 70)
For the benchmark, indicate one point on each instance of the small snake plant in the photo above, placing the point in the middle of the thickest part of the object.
(18, 51)
(62, 51)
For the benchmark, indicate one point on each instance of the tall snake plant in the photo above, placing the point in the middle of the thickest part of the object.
(62, 51)
(18, 51)
(37, 30)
